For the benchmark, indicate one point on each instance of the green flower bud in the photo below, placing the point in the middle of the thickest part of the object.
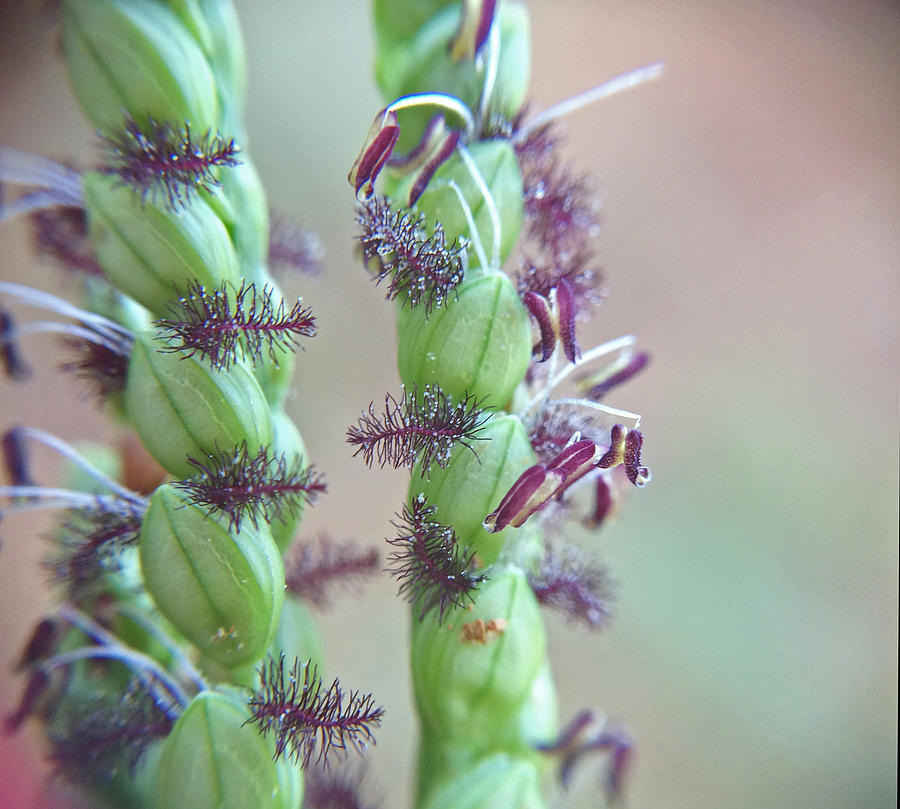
(539, 717)
(286, 440)
(136, 57)
(183, 409)
(149, 252)
(497, 164)
(246, 217)
(479, 344)
(215, 27)
(297, 635)
(495, 781)
(211, 760)
(398, 20)
(473, 672)
(290, 783)
(422, 62)
(471, 485)
(223, 591)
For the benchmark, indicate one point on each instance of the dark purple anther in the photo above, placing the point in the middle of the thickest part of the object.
(576, 460)
(565, 313)
(633, 368)
(443, 152)
(485, 20)
(604, 502)
(41, 644)
(614, 455)
(376, 150)
(474, 28)
(535, 486)
(415, 157)
(539, 308)
(637, 474)
(35, 688)
(15, 458)
(10, 358)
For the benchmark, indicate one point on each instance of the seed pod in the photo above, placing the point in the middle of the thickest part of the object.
(149, 252)
(423, 62)
(497, 164)
(223, 591)
(471, 483)
(183, 409)
(498, 780)
(220, 763)
(473, 672)
(136, 56)
(478, 345)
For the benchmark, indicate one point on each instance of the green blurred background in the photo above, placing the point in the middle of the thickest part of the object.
(751, 201)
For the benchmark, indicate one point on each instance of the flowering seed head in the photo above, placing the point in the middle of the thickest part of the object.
(250, 486)
(307, 719)
(432, 569)
(219, 325)
(421, 267)
(168, 161)
(418, 427)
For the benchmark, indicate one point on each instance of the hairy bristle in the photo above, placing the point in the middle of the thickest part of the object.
(60, 233)
(307, 719)
(560, 222)
(421, 267)
(168, 161)
(311, 568)
(571, 583)
(336, 790)
(87, 546)
(432, 569)
(106, 736)
(418, 427)
(103, 367)
(221, 326)
(294, 247)
(252, 485)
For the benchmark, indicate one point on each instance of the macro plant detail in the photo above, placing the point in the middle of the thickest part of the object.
(456, 154)
(156, 679)
(182, 664)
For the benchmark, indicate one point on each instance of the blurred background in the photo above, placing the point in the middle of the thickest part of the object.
(751, 200)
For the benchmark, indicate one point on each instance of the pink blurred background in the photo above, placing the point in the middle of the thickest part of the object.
(751, 208)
